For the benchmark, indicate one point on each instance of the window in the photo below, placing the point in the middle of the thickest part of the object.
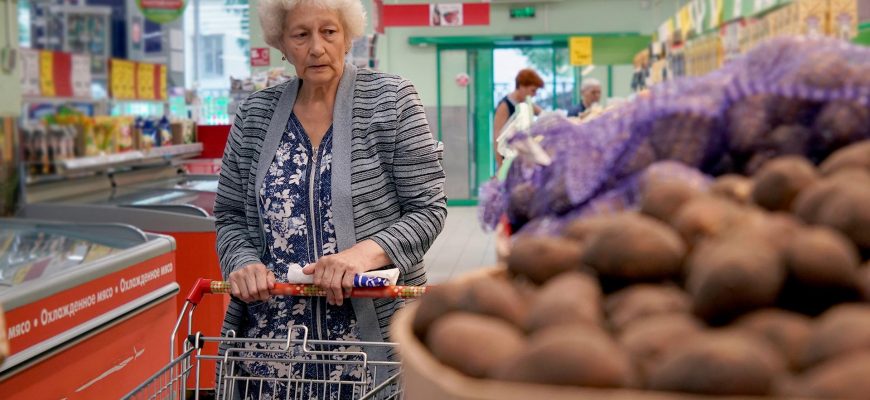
(217, 47)
(212, 55)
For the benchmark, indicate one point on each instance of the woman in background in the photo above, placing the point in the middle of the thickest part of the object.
(527, 84)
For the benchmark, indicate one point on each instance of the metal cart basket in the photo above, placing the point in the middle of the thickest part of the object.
(351, 370)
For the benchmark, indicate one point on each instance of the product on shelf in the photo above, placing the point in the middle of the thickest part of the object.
(34, 142)
(183, 131)
(159, 132)
(69, 135)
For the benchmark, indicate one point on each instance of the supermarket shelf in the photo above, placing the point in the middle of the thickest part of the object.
(110, 162)
(101, 161)
(60, 100)
(175, 151)
(113, 100)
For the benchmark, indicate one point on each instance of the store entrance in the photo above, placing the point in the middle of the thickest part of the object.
(551, 63)
(463, 120)
(471, 81)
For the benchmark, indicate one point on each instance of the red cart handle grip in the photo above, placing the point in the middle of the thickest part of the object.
(208, 286)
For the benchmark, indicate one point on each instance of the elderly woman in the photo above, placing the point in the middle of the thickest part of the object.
(335, 170)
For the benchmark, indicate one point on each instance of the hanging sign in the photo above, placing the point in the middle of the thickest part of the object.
(81, 75)
(122, 79)
(580, 49)
(441, 14)
(55, 74)
(699, 13)
(145, 81)
(30, 82)
(684, 20)
(46, 73)
(716, 8)
(445, 14)
(260, 57)
(666, 31)
(130, 80)
(161, 11)
(162, 91)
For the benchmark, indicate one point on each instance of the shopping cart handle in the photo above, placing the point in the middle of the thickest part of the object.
(207, 286)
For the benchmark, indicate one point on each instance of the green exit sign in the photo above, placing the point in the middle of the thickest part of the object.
(523, 12)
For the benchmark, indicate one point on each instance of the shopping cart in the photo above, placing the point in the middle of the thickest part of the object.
(377, 377)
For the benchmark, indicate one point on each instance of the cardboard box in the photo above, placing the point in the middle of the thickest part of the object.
(786, 20)
(730, 35)
(774, 22)
(183, 132)
(812, 17)
(843, 19)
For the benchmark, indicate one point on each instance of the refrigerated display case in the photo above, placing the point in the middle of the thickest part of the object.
(88, 307)
(155, 200)
(202, 183)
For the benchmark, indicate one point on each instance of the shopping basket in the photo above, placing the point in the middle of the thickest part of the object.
(378, 377)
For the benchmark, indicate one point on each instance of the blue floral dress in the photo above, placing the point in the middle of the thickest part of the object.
(295, 203)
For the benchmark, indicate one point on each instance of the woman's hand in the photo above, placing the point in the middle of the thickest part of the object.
(252, 282)
(334, 273)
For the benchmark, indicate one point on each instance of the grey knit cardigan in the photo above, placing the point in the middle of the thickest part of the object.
(387, 182)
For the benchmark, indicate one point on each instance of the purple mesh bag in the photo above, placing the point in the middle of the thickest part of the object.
(624, 196)
(788, 96)
(805, 96)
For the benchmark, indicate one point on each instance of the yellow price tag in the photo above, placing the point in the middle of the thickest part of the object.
(717, 7)
(46, 73)
(145, 81)
(580, 48)
(123, 79)
(129, 80)
(163, 90)
(684, 19)
(116, 87)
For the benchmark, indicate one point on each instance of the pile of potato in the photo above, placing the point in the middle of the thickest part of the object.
(758, 286)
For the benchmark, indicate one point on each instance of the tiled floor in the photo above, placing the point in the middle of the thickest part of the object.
(462, 246)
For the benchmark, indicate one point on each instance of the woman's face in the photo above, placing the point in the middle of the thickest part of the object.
(529, 91)
(314, 42)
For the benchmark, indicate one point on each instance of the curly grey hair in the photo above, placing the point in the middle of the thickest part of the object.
(274, 12)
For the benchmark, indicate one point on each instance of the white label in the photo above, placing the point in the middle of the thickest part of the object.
(81, 75)
(29, 72)
(176, 39)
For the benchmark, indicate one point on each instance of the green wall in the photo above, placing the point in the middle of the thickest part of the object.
(568, 16)
(453, 63)
(10, 84)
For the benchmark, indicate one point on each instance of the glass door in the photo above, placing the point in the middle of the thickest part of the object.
(452, 126)
(463, 120)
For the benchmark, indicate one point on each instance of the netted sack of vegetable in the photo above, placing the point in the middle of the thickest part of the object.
(797, 96)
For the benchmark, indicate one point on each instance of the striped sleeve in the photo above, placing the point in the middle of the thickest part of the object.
(419, 179)
(233, 247)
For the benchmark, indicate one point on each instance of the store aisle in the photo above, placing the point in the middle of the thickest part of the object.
(462, 246)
